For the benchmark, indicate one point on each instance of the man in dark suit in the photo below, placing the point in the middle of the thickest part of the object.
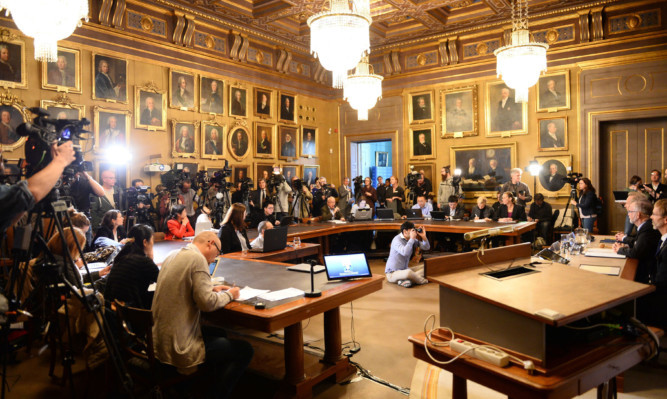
(213, 147)
(551, 98)
(287, 110)
(656, 189)
(264, 145)
(422, 147)
(185, 144)
(288, 149)
(552, 138)
(496, 171)
(553, 181)
(454, 211)
(508, 116)
(239, 143)
(472, 171)
(646, 244)
(257, 199)
(651, 308)
(421, 111)
(331, 212)
(238, 106)
(263, 106)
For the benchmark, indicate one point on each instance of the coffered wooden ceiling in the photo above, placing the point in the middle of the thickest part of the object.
(394, 21)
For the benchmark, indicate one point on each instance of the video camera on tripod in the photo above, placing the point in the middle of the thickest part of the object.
(358, 184)
(275, 180)
(572, 178)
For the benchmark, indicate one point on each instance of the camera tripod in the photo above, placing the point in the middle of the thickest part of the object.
(58, 279)
(573, 213)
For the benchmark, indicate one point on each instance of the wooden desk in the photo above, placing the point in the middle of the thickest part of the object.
(287, 254)
(590, 370)
(297, 380)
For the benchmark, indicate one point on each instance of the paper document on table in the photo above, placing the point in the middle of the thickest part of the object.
(480, 220)
(249, 293)
(93, 267)
(603, 253)
(337, 221)
(282, 294)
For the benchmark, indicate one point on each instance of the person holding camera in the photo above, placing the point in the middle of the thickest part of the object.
(300, 205)
(22, 196)
(519, 189)
(111, 199)
(656, 190)
(283, 190)
(402, 247)
(321, 194)
(447, 188)
(586, 203)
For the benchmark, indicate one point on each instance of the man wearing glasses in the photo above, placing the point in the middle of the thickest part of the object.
(111, 199)
(646, 243)
(184, 290)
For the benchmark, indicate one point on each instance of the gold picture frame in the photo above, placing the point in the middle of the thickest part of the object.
(552, 97)
(481, 183)
(552, 134)
(504, 116)
(110, 86)
(287, 107)
(285, 150)
(429, 172)
(263, 146)
(212, 148)
(310, 179)
(235, 177)
(18, 114)
(107, 128)
(263, 109)
(64, 74)
(459, 112)
(181, 97)
(239, 141)
(422, 150)
(238, 102)
(13, 75)
(421, 107)
(211, 100)
(309, 140)
(146, 118)
(555, 187)
(62, 107)
(262, 170)
(184, 146)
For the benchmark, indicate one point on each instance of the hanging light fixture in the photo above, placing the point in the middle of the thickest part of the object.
(521, 63)
(363, 88)
(340, 36)
(47, 21)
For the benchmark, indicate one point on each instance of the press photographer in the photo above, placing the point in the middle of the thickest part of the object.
(518, 188)
(215, 190)
(281, 189)
(320, 195)
(449, 185)
(301, 197)
(139, 206)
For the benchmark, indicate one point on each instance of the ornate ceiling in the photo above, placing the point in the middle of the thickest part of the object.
(394, 21)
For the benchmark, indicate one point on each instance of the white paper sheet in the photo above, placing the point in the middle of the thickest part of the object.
(282, 294)
(249, 293)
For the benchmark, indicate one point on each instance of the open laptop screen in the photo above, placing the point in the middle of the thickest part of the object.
(346, 266)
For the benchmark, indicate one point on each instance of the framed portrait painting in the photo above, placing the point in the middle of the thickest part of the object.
(483, 167)
(263, 170)
(238, 141)
(290, 171)
(12, 170)
(212, 136)
(110, 78)
(459, 112)
(420, 107)
(428, 168)
(12, 62)
(308, 141)
(553, 134)
(288, 142)
(190, 168)
(184, 137)
(287, 103)
(112, 128)
(238, 102)
(63, 108)
(182, 90)
(65, 73)
(552, 177)
(210, 95)
(553, 92)
(504, 116)
(12, 114)
(422, 143)
(263, 103)
(150, 108)
(240, 173)
(264, 139)
(381, 158)
(310, 174)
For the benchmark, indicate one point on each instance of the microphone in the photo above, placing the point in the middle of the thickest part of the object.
(494, 231)
(312, 293)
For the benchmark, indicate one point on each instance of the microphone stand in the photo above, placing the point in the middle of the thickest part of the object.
(313, 293)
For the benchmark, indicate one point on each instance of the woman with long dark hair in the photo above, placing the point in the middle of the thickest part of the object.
(233, 236)
(178, 225)
(586, 203)
(509, 210)
(111, 228)
(133, 270)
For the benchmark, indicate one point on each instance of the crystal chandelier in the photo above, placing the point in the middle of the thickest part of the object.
(521, 63)
(340, 36)
(363, 88)
(47, 21)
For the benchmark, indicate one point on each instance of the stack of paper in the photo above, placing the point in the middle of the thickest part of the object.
(282, 294)
(249, 293)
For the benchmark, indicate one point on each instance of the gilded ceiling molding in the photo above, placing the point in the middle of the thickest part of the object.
(243, 51)
(189, 30)
(178, 29)
(236, 46)
(584, 28)
(442, 49)
(597, 24)
(386, 59)
(105, 11)
(452, 45)
(118, 14)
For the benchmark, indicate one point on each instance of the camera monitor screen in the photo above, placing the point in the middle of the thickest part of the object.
(346, 266)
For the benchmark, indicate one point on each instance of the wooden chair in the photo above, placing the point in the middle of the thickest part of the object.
(136, 343)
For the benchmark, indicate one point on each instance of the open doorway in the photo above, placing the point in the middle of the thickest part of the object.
(371, 159)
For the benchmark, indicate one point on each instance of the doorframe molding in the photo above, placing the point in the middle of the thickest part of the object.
(391, 135)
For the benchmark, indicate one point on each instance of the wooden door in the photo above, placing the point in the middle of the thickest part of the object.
(627, 148)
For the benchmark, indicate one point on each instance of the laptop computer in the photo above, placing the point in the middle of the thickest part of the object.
(384, 214)
(203, 226)
(274, 240)
(346, 266)
(438, 215)
(413, 214)
(620, 196)
(285, 221)
(363, 214)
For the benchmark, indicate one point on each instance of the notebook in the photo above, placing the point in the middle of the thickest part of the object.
(346, 266)
(438, 215)
(274, 240)
(413, 214)
(385, 214)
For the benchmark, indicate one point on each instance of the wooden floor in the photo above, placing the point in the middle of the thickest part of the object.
(382, 323)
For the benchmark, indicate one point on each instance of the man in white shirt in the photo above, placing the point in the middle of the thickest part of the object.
(425, 207)
(258, 243)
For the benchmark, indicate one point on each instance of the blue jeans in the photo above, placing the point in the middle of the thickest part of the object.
(226, 360)
(588, 223)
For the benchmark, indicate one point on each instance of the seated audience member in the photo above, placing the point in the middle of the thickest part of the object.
(266, 214)
(258, 243)
(496, 205)
(509, 210)
(330, 211)
(133, 270)
(425, 206)
(651, 308)
(402, 246)
(184, 290)
(233, 233)
(541, 213)
(646, 244)
(72, 236)
(454, 211)
(80, 220)
(205, 215)
(629, 234)
(111, 231)
(362, 203)
(482, 211)
(178, 224)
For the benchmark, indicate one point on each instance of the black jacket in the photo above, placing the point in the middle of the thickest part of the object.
(587, 203)
(644, 250)
(104, 231)
(230, 241)
(518, 214)
(487, 212)
(129, 279)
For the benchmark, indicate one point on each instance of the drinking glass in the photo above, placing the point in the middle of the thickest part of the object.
(297, 242)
